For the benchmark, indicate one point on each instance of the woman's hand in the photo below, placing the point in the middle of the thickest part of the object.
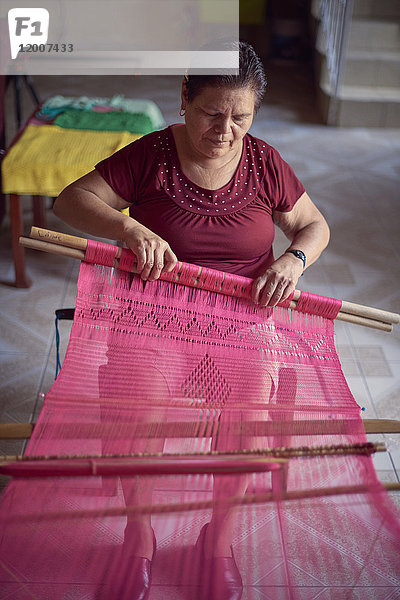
(278, 281)
(307, 229)
(154, 256)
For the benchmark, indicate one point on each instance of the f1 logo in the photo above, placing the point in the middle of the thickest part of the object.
(27, 25)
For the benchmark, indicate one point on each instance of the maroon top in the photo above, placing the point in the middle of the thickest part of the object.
(229, 229)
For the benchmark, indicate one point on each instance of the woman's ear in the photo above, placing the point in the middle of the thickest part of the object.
(184, 95)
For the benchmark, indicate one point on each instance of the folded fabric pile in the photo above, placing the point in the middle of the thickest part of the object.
(116, 114)
(47, 158)
(105, 121)
(69, 136)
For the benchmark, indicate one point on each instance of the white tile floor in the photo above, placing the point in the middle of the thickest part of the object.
(351, 174)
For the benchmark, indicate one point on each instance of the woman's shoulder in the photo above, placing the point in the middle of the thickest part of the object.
(135, 159)
(259, 145)
(266, 154)
(139, 156)
(149, 141)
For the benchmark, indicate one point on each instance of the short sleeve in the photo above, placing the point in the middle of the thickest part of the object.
(283, 187)
(120, 171)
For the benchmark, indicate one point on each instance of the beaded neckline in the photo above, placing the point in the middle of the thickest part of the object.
(234, 196)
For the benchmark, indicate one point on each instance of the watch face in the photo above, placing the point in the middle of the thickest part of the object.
(299, 254)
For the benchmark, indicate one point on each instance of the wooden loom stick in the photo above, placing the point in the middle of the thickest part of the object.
(370, 312)
(56, 248)
(20, 431)
(16, 431)
(278, 453)
(358, 320)
(61, 239)
(52, 248)
(347, 307)
(143, 465)
(350, 312)
(250, 461)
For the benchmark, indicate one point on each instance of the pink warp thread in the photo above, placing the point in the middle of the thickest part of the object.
(126, 261)
(209, 279)
(163, 354)
(100, 253)
(318, 305)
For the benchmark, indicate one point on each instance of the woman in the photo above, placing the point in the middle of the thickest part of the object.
(209, 193)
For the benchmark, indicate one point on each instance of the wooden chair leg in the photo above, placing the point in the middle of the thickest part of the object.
(39, 211)
(17, 229)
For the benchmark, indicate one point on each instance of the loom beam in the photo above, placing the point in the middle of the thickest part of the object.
(20, 431)
(75, 247)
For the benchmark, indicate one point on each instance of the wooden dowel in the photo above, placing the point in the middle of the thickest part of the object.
(351, 313)
(17, 431)
(381, 426)
(60, 239)
(369, 312)
(52, 248)
(392, 487)
(358, 320)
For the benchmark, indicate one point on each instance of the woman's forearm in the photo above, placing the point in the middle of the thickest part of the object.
(307, 231)
(85, 211)
(311, 240)
(91, 206)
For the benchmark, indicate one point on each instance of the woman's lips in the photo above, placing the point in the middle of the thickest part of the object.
(219, 142)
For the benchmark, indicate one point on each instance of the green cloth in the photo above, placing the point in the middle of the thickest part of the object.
(105, 121)
(58, 104)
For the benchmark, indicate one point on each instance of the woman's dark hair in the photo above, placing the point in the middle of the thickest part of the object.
(251, 75)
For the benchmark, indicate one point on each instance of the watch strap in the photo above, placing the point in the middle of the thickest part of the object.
(298, 254)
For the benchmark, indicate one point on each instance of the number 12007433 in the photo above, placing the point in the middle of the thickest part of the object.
(46, 48)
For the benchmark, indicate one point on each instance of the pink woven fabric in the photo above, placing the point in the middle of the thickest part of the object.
(206, 366)
(208, 279)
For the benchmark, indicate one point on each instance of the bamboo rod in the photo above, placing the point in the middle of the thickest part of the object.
(177, 429)
(56, 245)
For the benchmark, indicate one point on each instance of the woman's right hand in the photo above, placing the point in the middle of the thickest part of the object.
(91, 205)
(154, 255)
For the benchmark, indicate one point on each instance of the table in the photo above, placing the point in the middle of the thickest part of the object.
(41, 161)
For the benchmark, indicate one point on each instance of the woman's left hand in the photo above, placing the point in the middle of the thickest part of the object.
(278, 281)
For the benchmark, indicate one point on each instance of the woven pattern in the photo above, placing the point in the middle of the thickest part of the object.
(161, 356)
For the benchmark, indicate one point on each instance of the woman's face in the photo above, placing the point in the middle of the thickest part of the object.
(217, 119)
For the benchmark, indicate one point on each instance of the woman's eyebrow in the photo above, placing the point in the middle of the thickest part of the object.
(216, 110)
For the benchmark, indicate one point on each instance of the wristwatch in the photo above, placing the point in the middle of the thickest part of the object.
(298, 254)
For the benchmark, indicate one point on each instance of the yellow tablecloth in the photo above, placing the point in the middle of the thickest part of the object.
(47, 158)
